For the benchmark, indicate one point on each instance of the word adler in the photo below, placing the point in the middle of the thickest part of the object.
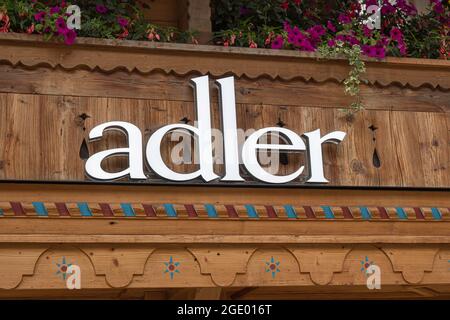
(310, 142)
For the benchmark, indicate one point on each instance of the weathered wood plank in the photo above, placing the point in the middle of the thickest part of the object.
(42, 136)
(122, 84)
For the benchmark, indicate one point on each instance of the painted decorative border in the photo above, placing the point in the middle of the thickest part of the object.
(221, 211)
(182, 59)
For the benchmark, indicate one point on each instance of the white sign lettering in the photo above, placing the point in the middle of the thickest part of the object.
(310, 142)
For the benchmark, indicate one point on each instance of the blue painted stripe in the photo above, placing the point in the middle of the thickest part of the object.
(401, 213)
(328, 212)
(290, 212)
(251, 211)
(1, 212)
(84, 209)
(127, 209)
(436, 213)
(40, 209)
(170, 210)
(211, 211)
(365, 213)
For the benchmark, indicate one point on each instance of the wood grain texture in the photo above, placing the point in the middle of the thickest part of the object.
(41, 136)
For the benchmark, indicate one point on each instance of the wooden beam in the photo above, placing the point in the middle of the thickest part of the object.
(95, 193)
(199, 19)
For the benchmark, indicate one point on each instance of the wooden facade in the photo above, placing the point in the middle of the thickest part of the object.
(388, 198)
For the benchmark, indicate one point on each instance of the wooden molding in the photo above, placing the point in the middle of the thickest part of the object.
(182, 59)
(236, 268)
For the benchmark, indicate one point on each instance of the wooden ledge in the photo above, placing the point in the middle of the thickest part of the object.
(145, 57)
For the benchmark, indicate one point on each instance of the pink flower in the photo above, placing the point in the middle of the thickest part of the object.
(123, 35)
(284, 5)
(30, 29)
(252, 44)
(277, 43)
(69, 37)
(4, 22)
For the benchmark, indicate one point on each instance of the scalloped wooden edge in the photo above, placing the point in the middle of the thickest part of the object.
(182, 59)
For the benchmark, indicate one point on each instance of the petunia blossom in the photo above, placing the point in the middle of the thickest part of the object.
(277, 43)
(69, 37)
(123, 22)
(100, 8)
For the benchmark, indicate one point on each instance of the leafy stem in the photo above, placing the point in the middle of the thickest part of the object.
(358, 67)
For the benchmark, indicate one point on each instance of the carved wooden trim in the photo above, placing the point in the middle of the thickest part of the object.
(182, 59)
(418, 269)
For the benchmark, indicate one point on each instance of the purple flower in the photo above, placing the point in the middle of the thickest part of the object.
(101, 9)
(287, 27)
(295, 36)
(69, 37)
(352, 40)
(438, 8)
(367, 32)
(366, 49)
(277, 43)
(39, 16)
(396, 34)
(341, 38)
(331, 26)
(384, 41)
(316, 31)
(54, 9)
(61, 26)
(344, 19)
(331, 43)
(387, 8)
(374, 51)
(244, 11)
(306, 45)
(123, 22)
(380, 52)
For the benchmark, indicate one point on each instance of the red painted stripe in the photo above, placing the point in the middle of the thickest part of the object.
(347, 213)
(419, 213)
(383, 213)
(62, 209)
(191, 210)
(17, 208)
(149, 211)
(106, 209)
(232, 213)
(271, 213)
(309, 212)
